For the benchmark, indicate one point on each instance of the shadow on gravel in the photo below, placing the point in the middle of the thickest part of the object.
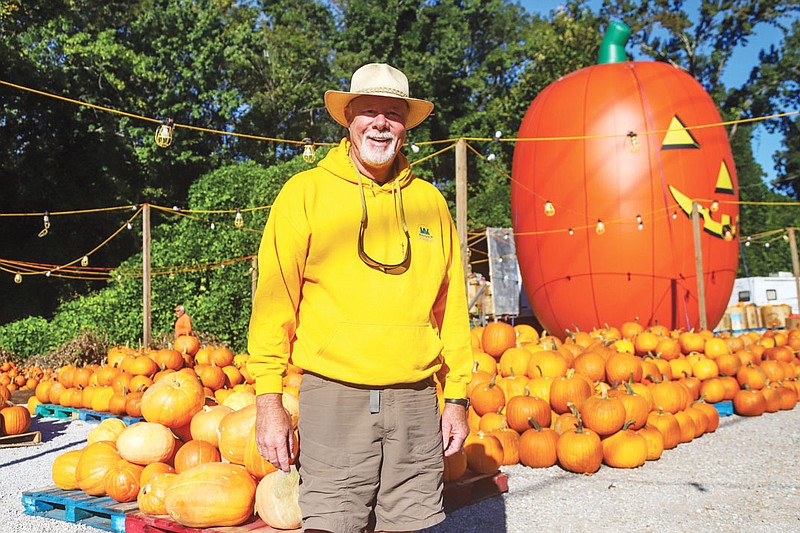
(42, 454)
(50, 427)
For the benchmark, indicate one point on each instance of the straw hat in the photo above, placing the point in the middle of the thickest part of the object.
(377, 79)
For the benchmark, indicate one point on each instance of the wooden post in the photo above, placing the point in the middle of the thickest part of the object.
(146, 274)
(461, 202)
(795, 263)
(698, 264)
(253, 278)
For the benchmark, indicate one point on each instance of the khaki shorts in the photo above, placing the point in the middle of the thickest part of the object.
(360, 469)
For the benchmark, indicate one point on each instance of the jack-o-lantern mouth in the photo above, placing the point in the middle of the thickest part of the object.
(724, 228)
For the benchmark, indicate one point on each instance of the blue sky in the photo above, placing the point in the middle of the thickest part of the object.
(735, 74)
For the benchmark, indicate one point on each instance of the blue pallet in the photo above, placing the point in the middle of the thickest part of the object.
(724, 408)
(96, 416)
(77, 507)
(49, 410)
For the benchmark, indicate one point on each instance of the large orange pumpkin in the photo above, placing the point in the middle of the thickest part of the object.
(63, 470)
(638, 160)
(97, 459)
(173, 400)
(232, 488)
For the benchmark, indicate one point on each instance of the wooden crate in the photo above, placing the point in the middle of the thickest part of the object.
(33, 438)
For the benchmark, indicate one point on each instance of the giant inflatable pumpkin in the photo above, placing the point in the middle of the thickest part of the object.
(629, 148)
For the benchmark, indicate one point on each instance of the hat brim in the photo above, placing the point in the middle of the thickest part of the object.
(337, 101)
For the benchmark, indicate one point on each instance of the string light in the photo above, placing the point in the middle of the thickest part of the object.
(47, 274)
(414, 147)
(490, 157)
(727, 233)
(17, 278)
(786, 237)
(238, 220)
(130, 226)
(309, 151)
(639, 223)
(213, 226)
(46, 223)
(633, 142)
(714, 206)
(571, 232)
(163, 136)
(766, 245)
(674, 215)
(600, 228)
(747, 241)
(85, 260)
(549, 209)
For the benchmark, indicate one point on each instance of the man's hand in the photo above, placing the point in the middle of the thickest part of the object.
(274, 431)
(454, 428)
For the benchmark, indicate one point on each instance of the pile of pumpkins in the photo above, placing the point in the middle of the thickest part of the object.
(614, 396)
(197, 437)
(618, 397)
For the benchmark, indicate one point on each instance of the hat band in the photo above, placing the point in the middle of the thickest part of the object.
(378, 90)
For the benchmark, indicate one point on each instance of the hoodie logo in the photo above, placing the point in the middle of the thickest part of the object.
(425, 234)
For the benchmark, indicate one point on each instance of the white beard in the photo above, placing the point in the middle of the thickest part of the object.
(378, 156)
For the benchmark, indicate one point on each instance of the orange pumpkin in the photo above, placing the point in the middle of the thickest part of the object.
(194, 453)
(234, 432)
(173, 400)
(146, 442)
(233, 490)
(641, 186)
(153, 493)
(14, 420)
(537, 446)
(63, 470)
(122, 480)
(92, 466)
(497, 337)
(484, 453)
(205, 424)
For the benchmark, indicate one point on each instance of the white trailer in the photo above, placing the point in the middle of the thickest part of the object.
(775, 289)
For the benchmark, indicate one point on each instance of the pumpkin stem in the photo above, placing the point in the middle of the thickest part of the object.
(534, 424)
(612, 49)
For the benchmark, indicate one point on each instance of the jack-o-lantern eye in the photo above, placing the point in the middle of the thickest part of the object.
(724, 181)
(678, 136)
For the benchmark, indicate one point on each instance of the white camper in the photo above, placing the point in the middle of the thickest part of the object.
(775, 289)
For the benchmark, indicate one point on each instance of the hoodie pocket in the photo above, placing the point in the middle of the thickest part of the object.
(382, 351)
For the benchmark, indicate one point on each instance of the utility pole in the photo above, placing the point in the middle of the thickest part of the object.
(461, 201)
(698, 266)
(146, 275)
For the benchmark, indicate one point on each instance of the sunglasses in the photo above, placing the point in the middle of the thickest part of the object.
(386, 268)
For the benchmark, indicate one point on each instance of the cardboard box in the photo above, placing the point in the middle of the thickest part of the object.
(735, 315)
(774, 316)
(793, 322)
(752, 317)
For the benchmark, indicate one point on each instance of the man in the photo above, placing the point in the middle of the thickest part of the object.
(183, 324)
(361, 284)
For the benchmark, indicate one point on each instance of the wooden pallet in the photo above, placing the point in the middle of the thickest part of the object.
(142, 523)
(49, 410)
(33, 438)
(77, 507)
(472, 488)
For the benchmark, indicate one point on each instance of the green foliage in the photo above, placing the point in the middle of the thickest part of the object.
(216, 297)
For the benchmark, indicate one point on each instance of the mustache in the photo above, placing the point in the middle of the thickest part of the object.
(382, 136)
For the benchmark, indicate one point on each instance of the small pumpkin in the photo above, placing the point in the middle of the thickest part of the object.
(205, 424)
(625, 448)
(277, 497)
(580, 450)
(146, 442)
(497, 337)
(173, 400)
(14, 420)
(484, 453)
(194, 453)
(153, 493)
(122, 480)
(537, 446)
(63, 470)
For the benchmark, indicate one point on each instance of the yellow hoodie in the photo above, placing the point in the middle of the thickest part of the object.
(319, 303)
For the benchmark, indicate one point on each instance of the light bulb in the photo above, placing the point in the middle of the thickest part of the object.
(714, 206)
(549, 209)
(213, 226)
(47, 274)
(85, 260)
(17, 278)
(414, 148)
(600, 228)
(490, 157)
(674, 215)
(309, 152)
(46, 224)
(640, 226)
(163, 136)
(238, 220)
(747, 243)
(786, 237)
(633, 142)
(497, 135)
(728, 235)
(570, 231)
(130, 226)
(766, 245)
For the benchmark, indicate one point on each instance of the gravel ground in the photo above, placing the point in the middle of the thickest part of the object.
(743, 477)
